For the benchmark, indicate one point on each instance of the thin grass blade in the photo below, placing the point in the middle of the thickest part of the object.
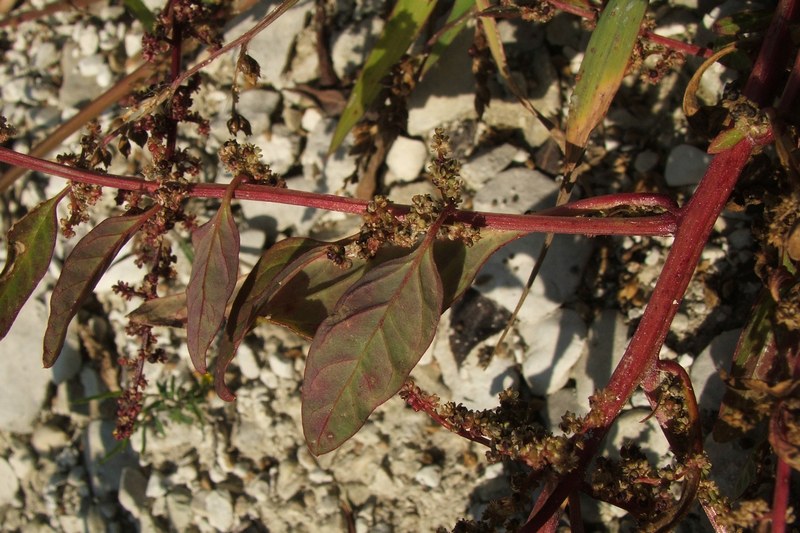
(403, 26)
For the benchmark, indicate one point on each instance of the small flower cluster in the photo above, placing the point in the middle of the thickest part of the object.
(191, 18)
(245, 160)
(93, 156)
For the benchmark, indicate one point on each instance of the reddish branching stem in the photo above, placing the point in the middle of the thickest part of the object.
(661, 224)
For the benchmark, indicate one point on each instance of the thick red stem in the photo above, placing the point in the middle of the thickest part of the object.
(639, 361)
(762, 85)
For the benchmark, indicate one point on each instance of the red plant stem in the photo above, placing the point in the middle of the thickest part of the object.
(639, 361)
(789, 98)
(780, 496)
(174, 72)
(663, 224)
(618, 200)
(762, 85)
(680, 46)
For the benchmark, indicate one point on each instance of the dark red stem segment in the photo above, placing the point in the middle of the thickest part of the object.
(174, 72)
(762, 85)
(780, 496)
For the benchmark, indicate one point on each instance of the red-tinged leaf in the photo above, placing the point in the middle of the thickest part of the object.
(170, 310)
(310, 296)
(458, 264)
(30, 248)
(214, 272)
(363, 352)
(82, 270)
(275, 267)
(754, 359)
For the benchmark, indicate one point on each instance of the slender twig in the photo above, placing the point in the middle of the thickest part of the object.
(35, 14)
(119, 90)
(780, 497)
(174, 73)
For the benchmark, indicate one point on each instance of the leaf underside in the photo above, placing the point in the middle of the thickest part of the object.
(30, 248)
(363, 352)
(82, 270)
(214, 272)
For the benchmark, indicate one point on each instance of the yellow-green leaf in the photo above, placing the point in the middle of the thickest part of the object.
(403, 26)
(602, 70)
(456, 21)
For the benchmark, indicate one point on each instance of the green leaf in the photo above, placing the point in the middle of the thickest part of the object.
(140, 11)
(726, 140)
(277, 265)
(82, 270)
(403, 26)
(30, 248)
(363, 352)
(458, 21)
(214, 271)
(602, 69)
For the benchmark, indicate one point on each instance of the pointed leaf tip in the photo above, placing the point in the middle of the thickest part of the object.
(82, 270)
(363, 352)
(30, 248)
(213, 279)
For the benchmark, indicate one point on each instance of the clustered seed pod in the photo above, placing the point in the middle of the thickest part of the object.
(238, 123)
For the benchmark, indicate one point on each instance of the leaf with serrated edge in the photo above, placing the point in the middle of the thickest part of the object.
(274, 268)
(402, 27)
(30, 248)
(214, 271)
(363, 352)
(82, 270)
(602, 69)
